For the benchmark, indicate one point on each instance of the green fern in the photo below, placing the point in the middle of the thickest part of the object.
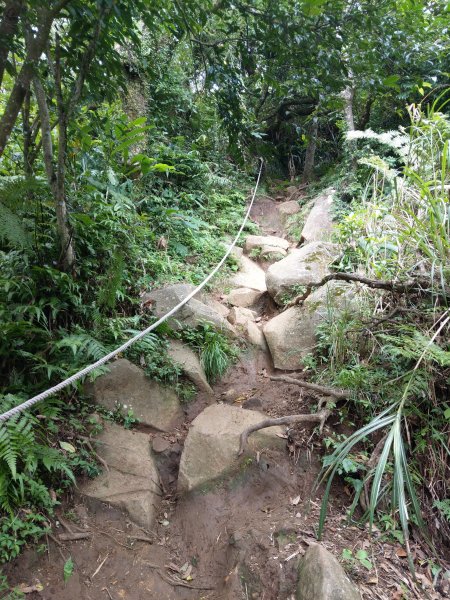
(83, 346)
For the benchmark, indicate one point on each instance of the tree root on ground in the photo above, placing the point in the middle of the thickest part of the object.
(319, 417)
(342, 395)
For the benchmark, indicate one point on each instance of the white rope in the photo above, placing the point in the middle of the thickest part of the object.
(63, 384)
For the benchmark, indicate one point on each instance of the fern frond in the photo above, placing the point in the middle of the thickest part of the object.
(397, 141)
(12, 230)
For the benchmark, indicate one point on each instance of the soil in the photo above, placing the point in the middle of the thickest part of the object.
(240, 539)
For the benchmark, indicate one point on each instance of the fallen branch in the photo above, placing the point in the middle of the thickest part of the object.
(319, 417)
(411, 285)
(342, 395)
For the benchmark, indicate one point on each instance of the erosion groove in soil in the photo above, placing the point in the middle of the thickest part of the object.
(240, 536)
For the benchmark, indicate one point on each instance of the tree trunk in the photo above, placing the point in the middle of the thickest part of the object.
(26, 128)
(365, 117)
(8, 28)
(348, 95)
(310, 151)
(56, 179)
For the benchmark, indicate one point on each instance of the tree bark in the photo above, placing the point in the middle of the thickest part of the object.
(308, 167)
(35, 48)
(365, 117)
(348, 96)
(8, 28)
(46, 133)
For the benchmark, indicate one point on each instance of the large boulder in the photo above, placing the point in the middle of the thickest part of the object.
(211, 447)
(190, 363)
(321, 577)
(131, 483)
(260, 242)
(191, 314)
(305, 266)
(291, 335)
(319, 224)
(243, 297)
(126, 386)
(250, 275)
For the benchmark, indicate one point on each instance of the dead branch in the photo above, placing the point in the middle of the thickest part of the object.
(319, 417)
(342, 395)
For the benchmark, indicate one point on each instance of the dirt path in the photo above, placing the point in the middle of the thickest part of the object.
(241, 539)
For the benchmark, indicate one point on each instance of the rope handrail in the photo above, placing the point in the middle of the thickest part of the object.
(83, 372)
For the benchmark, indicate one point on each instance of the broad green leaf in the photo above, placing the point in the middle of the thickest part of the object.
(67, 447)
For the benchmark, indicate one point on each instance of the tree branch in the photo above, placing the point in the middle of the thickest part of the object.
(8, 28)
(411, 285)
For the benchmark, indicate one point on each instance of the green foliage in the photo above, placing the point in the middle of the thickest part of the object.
(398, 372)
(216, 351)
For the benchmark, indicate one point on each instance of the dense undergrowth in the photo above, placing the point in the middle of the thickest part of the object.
(394, 354)
(131, 234)
(128, 131)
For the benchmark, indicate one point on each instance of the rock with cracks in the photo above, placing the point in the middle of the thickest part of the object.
(243, 297)
(211, 447)
(321, 577)
(250, 275)
(239, 317)
(131, 483)
(192, 314)
(307, 265)
(319, 224)
(291, 335)
(190, 364)
(127, 386)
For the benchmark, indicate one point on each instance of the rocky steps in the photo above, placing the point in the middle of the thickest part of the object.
(281, 272)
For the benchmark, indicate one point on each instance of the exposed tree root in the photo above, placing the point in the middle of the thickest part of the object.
(319, 417)
(70, 537)
(326, 391)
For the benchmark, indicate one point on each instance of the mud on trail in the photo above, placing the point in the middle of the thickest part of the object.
(241, 537)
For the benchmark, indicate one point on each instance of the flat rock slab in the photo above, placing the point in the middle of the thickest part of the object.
(250, 275)
(265, 212)
(211, 447)
(127, 386)
(300, 268)
(241, 316)
(131, 483)
(191, 314)
(321, 577)
(243, 297)
(190, 363)
(319, 224)
(287, 209)
(257, 242)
